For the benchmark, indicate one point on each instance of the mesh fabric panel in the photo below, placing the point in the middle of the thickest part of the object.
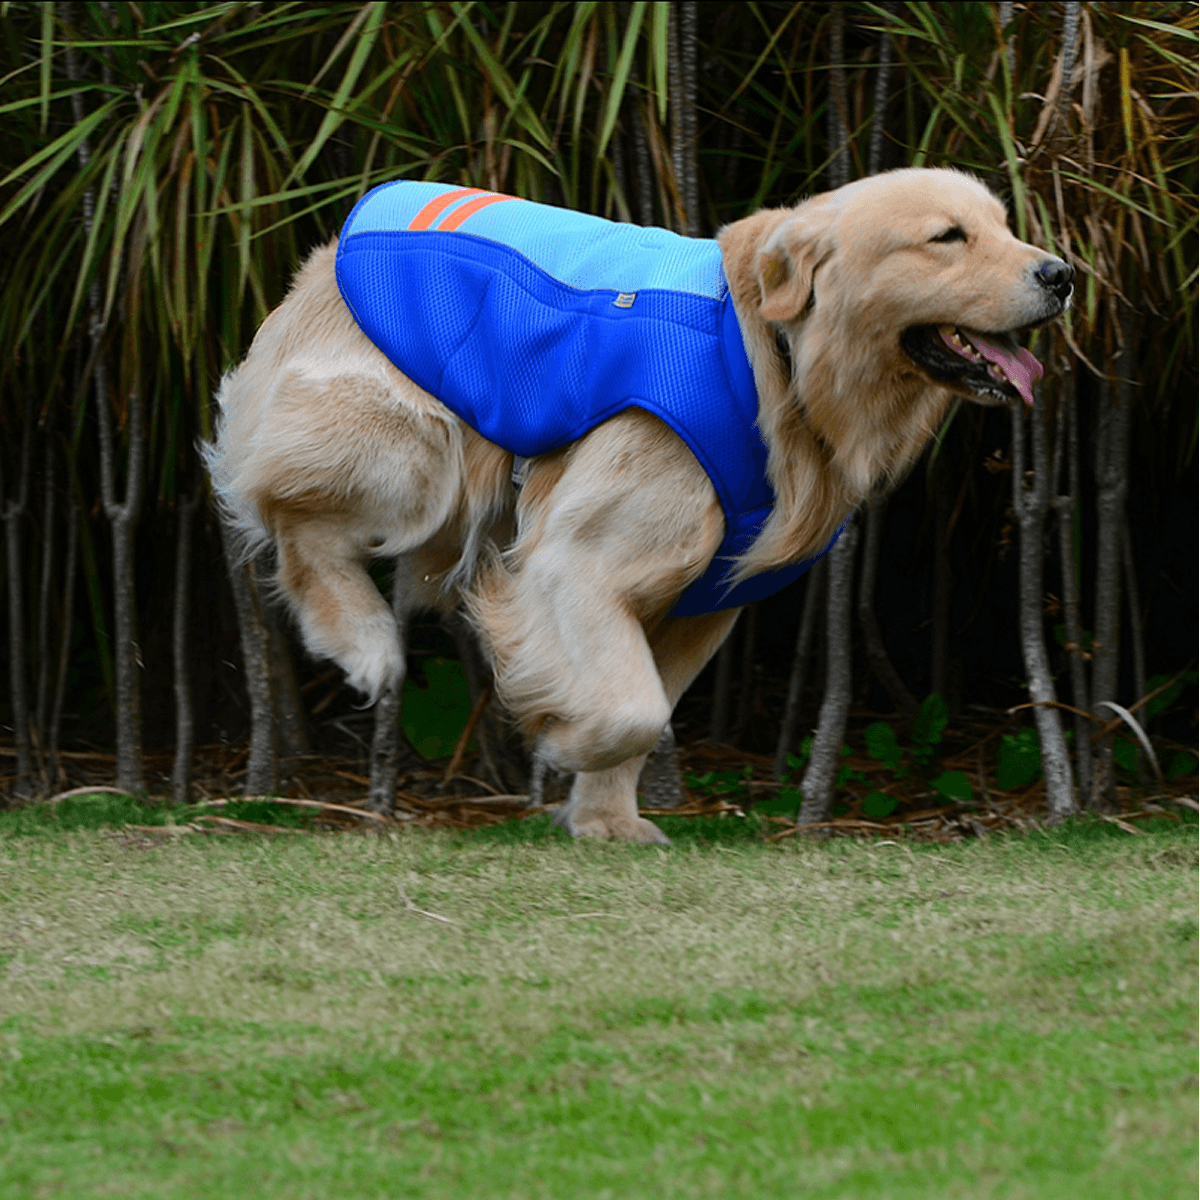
(511, 322)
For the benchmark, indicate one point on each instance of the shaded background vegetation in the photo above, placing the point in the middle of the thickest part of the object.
(166, 166)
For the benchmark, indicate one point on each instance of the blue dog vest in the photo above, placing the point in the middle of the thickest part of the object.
(535, 324)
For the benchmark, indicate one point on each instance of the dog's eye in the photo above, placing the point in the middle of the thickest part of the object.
(956, 233)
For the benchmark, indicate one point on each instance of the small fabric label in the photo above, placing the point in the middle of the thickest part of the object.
(625, 299)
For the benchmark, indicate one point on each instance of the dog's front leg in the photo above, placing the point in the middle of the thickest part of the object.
(604, 803)
(609, 539)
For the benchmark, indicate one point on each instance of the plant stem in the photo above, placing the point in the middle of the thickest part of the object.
(1066, 506)
(877, 656)
(819, 779)
(813, 595)
(64, 646)
(683, 115)
(718, 730)
(41, 710)
(1112, 486)
(1030, 504)
(879, 111)
(661, 782)
(261, 767)
(14, 513)
(839, 112)
(386, 737)
(749, 673)
(181, 770)
(943, 587)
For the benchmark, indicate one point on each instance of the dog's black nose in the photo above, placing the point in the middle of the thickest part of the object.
(1055, 276)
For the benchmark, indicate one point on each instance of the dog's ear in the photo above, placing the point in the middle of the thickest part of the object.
(786, 261)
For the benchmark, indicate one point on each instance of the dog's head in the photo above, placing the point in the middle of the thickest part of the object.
(890, 296)
(917, 271)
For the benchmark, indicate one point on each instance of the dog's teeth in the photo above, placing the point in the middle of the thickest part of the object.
(953, 334)
(965, 346)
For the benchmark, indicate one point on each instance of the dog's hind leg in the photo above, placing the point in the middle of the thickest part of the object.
(326, 449)
(350, 472)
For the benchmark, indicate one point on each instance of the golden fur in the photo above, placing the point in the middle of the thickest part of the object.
(329, 451)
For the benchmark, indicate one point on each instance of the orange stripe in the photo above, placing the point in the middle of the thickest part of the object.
(459, 215)
(429, 212)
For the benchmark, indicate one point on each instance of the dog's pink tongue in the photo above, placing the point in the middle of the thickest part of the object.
(1022, 369)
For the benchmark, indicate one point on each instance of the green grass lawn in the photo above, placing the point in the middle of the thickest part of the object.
(242, 1016)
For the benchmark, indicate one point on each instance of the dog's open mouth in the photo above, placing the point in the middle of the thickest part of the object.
(990, 365)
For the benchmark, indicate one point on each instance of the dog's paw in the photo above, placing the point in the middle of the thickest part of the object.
(610, 829)
(375, 663)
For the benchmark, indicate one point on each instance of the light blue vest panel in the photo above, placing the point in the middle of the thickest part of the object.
(535, 324)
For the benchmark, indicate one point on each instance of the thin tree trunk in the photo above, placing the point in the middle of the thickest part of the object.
(1137, 634)
(943, 589)
(1006, 16)
(718, 730)
(839, 121)
(53, 773)
(1030, 505)
(879, 112)
(130, 771)
(14, 513)
(1112, 485)
(1070, 43)
(682, 38)
(123, 518)
(45, 588)
(620, 168)
(813, 595)
(501, 754)
(821, 776)
(1066, 507)
(122, 515)
(739, 119)
(641, 157)
(385, 740)
(23, 784)
(181, 770)
(261, 767)
(1133, 600)
(747, 691)
(661, 782)
(641, 148)
(877, 656)
(291, 722)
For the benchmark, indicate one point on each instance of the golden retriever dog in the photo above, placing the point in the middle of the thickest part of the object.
(862, 311)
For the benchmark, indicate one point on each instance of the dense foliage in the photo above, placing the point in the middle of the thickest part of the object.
(165, 166)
